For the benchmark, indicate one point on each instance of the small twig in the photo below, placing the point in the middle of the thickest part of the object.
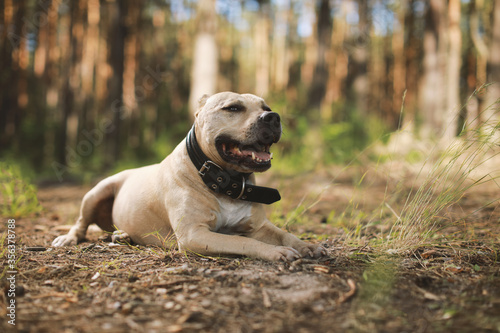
(348, 294)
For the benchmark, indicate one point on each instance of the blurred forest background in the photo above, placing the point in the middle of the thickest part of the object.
(86, 85)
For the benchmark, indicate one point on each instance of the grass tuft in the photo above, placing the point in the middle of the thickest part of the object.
(456, 170)
(17, 196)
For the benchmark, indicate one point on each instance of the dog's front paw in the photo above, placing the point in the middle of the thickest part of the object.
(65, 240)
(311, 250)
(282, 253)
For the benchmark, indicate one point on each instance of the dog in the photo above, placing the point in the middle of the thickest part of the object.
(204, 192)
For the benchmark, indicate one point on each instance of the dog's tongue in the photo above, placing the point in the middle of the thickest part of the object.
(261, 155)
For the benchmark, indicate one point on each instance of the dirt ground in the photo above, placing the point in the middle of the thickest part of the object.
(102, 287)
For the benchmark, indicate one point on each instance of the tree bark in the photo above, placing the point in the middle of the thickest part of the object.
(399, 69)
(69, 50)
(454, 65)
(118, 35)
(432, 84)
(477, 66)
(89, 61)
(280, 60)
(412, 54)
(6, 67)
(320, 77)
(338, 61)
(262, 50)
(493, 93)
(310, 51)
(205, 66)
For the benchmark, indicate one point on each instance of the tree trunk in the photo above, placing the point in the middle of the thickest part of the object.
(493, 93)
(454, 63)
(320, 77)
(399, 69)
(6, 67)
(412, 54)
(279, 67)
(310, 51)
(17, 84)
(205, 58)
(337, 67)
(89, 60)
(357, 83)
(476, 67)
(68, 54)
(432, 83)
(262, 50)
(478, 40)
(133, 94)
(118, 35)
(360, 83)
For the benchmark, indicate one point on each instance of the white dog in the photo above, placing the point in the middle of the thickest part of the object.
(204, 192)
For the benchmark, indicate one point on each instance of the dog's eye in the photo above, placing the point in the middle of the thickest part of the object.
(234, 108)
(266, 108)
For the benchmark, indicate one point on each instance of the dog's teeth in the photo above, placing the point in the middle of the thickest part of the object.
(236, 151)
(271, 156)
(253, 156)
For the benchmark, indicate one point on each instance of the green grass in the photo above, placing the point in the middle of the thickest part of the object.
(18, 196)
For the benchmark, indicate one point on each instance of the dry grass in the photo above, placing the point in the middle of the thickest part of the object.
(447, 175)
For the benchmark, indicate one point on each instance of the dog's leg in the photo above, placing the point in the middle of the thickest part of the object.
(206, 242)
(96, 208)
(271, 234)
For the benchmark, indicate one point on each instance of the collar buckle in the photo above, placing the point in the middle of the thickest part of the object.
(206, 167)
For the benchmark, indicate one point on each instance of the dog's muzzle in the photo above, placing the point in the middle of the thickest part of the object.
(253, 152)
(268, 128)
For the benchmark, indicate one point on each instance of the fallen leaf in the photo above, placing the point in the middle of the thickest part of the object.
(428, 254)
(42, 270)
(454, 269)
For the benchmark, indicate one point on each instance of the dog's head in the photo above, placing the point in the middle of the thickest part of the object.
(236, 131)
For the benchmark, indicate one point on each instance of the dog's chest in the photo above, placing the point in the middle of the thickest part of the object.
(232, 214)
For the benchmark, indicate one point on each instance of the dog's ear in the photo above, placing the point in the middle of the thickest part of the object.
(201, 103)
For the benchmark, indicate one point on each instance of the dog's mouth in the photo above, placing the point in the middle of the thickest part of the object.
(255, 157)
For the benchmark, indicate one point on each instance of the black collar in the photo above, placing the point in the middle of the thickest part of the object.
(229, 182)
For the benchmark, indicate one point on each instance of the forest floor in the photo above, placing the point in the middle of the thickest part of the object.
(451, 284)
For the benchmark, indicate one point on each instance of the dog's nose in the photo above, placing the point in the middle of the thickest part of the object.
(269, 127)
(271, 118)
